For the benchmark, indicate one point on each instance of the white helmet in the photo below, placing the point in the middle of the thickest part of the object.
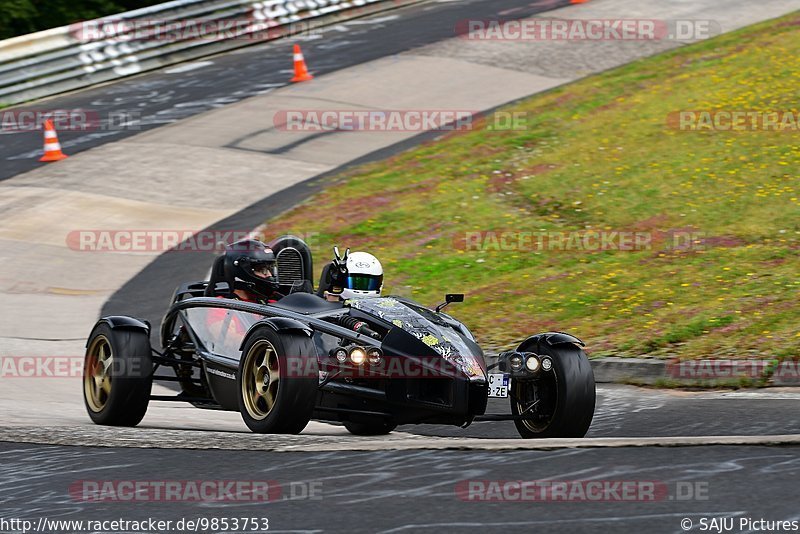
(364, 276)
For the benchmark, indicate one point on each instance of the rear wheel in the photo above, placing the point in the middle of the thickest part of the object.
(378, 428)
(117, 376)
(277, 381)
(560, 402)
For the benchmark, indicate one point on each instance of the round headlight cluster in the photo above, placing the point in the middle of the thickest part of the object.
(340, 355)
(547, 364)
(358, 355)
(516, 362)
(532, 363)
(374, 355)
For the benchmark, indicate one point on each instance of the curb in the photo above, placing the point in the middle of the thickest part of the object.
(616, 370)
(154, 438)
(658, 372)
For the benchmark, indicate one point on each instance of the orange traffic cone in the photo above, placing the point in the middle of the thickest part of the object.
(52, 148)
(300, 70)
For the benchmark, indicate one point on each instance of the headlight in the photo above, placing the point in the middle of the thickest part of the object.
(374, 355)
(358, 355)
(515, 362)
(532, 363)
(340, 355)
(547, 364)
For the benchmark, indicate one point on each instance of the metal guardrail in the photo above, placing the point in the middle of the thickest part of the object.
(88, 53)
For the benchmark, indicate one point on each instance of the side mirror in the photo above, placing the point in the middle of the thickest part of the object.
(448, 298)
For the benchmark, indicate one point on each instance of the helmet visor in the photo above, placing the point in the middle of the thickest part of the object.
(264, 269)
(365, 282)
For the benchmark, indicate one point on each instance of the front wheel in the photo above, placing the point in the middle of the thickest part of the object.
(277, 381)
(117, 376)
(560, 402)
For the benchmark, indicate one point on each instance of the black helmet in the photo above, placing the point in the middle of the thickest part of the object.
(250, 265)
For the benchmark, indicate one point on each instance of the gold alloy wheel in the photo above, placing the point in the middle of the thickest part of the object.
(96, 378)
(261, 379)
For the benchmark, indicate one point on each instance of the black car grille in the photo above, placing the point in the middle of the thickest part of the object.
(290, 266)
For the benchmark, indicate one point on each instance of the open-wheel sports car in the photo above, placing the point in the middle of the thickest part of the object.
(371, 363)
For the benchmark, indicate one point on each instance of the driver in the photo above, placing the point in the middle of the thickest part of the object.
(249, 268)
(357, 275)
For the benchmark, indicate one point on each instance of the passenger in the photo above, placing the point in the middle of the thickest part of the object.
(357, 275)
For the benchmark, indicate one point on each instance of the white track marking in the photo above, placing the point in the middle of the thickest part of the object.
(188, 66)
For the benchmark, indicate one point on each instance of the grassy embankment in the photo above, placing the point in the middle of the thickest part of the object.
(598, 155)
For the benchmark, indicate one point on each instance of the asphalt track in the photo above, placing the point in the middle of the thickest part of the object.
(380, 490)
(636, 416)
(169, 95)
(401, 491)
(640, 412)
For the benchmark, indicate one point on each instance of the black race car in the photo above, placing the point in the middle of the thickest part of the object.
(371, 363)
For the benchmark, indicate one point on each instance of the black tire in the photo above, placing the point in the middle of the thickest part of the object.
(378, 428)
(566, 394)
(117, 376)
(283, 406)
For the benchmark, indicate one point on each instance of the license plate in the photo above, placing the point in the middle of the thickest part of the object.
(498, 385)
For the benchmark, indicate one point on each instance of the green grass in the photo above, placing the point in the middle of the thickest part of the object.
(598, 155)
